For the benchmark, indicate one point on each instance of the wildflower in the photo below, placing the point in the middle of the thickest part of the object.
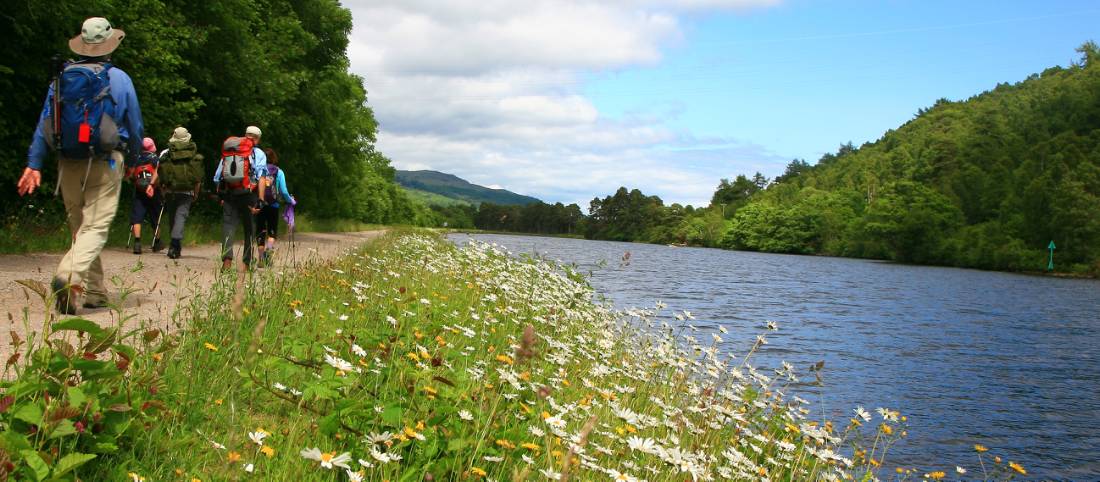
(135, 477)
(616, 475)
(505, 444)
(465, 415)
(358, 350)
(233, 456)
(888, 414)
(328, 460)
(409, 432)
(505, 359)
(937, 475)
(980, 448)
(217, 445)
(644, 445)
(380, 456)
(339, 363)
(960, 470)
(366, 464)
(478, 471)
(249, 468)
(550, 474)
(258, 436)
(529, 446)
(861, 413)
(354, 476)
(555, 422)
(268, 451)
(491, 458)
(210, 346)
(1018, 468)
(886, 429)
(376, 438)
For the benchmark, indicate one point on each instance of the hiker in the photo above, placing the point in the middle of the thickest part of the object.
(181, 171)
(147, 204)
(272, 189)
(237, 177)
(95, 123)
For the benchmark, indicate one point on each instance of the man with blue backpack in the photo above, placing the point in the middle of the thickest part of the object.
(237, 178)
(91, 117)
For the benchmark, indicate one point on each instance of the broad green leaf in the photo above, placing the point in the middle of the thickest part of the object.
(64, 428)
(70, 462)
(78, 324)
(30, 413)
(13, 441)
(77, 398)
(392, 416)
(330, 424)
(38, 467)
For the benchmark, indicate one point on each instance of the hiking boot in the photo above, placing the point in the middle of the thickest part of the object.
(157, 245)
(174, 248)
(64, 297)
(137, 245)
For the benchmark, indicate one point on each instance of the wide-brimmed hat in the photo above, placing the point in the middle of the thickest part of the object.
(180, 135)
(97, 38)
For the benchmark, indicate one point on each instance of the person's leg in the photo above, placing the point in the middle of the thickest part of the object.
(95, 296)
(179, 215)
(230, 220)
(99, 204)
(261, 233)
(137, 214)
(246, 203)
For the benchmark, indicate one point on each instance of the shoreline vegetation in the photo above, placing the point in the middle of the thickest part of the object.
(412, 359)
(988, 182)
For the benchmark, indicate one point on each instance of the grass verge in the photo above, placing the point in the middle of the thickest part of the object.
(412, 360)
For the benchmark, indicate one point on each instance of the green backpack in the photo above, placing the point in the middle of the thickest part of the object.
(181, 167)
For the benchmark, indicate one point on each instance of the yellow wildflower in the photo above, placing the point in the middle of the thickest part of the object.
(268, 451)
(430, 391)
(210, 346)
(1018, 468)
(233, 456)
(478, 471)
(505, 444)
(980, 448)
(412, 356)
(937, 475)
(886, 429)
(420, 425)
(505, 359)
(529, 446)
(218, 402)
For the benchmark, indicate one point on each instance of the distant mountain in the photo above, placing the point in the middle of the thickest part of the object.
(454, 187)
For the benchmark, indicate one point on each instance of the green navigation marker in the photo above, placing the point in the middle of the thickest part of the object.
(1050, 265)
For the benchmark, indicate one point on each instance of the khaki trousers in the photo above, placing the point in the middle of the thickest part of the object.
(90, 192)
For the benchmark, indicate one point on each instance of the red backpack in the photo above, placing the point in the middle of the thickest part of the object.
(237, 163)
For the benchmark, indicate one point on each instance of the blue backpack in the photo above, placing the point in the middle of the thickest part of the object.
(87, 124)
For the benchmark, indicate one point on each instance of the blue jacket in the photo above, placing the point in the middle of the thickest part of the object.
(259, 167)
(127, 115)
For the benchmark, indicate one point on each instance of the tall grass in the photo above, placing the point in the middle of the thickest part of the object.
(413, 360)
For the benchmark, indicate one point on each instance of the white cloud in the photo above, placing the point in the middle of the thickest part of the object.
(491, 91)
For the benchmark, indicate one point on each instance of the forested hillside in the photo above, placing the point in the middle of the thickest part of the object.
(215, 67)
(454, 187)
(987, 182)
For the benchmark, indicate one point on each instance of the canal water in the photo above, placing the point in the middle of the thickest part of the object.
(1005, 360)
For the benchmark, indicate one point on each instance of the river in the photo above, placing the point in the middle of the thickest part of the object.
(1005, 360)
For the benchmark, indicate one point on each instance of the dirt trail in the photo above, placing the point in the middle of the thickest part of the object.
(160, 283)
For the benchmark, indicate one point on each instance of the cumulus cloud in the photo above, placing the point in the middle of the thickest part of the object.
(491, 91)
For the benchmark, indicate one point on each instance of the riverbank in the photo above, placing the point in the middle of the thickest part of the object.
(411, 358)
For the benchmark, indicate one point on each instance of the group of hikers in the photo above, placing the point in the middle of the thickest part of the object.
(92, 120)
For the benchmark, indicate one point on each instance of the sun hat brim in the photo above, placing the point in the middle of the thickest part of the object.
(79, 47)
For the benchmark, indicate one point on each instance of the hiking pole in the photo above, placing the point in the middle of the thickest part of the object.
(156, 231)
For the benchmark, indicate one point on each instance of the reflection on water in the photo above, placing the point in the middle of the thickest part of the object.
(1005, 360)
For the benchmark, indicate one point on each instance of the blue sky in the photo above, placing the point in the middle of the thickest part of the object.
(803, 77)
(567, 100)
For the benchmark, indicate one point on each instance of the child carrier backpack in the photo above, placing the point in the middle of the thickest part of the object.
(86, 124)
(142, 172)
(270, 192)
(237, 163)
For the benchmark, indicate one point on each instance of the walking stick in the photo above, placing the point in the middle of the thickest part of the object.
(156, 232)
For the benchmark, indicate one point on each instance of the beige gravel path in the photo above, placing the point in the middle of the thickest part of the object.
(159, 283)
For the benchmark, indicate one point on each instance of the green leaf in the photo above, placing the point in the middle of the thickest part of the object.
(101, 341)
(105, 448)
(392, 416)
(77, 398)
(38, 466)
(63, 429)
(13, 441)
(330, 424)
(70, 462)
(457, 444)
(78, 324)
(30, 413)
